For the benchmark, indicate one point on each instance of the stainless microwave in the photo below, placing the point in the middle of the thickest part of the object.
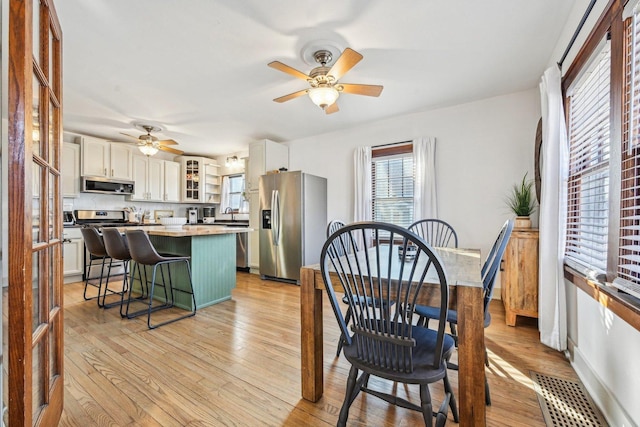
(92, 184)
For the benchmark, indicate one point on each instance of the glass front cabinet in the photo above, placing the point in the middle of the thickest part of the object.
(200, 181)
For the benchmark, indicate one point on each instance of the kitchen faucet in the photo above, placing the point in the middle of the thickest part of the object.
(229, 209)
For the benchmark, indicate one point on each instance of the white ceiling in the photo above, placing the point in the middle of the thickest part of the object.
(199, 67)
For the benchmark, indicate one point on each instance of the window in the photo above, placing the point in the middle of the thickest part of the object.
(392, 176)
(236, 196)
(629, 239)
(588, 191)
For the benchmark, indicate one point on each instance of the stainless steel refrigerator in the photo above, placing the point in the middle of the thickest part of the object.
(293, 220)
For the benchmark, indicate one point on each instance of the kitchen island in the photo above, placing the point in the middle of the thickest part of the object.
(213, 260)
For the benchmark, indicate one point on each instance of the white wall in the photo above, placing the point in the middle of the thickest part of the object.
(604, 348)
(482, 149)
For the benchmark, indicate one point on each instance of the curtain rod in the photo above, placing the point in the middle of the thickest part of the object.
(391, 143)
(575, 34)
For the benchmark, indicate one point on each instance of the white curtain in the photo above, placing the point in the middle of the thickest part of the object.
(424, 189)
(552, 312)
(362, 187)
(224, 194)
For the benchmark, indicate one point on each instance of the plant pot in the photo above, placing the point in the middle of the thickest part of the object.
(522, 222)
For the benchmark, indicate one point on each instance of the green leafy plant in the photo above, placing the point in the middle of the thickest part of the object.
(521, 200)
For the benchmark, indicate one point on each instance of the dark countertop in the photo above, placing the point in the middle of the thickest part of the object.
(237, 222)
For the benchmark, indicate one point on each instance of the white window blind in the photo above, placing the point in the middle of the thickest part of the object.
(392, 186)
(588, 191)
(629, 241)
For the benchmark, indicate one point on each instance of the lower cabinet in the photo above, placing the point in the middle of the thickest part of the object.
(73, 255)
(520, 275)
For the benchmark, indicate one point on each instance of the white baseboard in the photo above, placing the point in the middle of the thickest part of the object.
(611, 409)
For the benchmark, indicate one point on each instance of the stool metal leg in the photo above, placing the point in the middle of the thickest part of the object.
(172, 290)
(86, 280)
(125, 264)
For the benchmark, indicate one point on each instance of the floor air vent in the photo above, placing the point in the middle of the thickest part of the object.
(565, 403)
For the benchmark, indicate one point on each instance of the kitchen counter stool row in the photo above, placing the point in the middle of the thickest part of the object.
(114, 247)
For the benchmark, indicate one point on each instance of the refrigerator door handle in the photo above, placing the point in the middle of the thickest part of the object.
(275, 206)
(273, 217)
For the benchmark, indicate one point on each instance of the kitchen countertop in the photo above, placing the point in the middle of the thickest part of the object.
(188, 230)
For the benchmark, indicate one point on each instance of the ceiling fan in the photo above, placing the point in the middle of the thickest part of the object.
(325, 89)
(149, 144)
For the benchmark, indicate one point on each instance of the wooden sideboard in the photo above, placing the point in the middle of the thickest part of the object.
(520, 275)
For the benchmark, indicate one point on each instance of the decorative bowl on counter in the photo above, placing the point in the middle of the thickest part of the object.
(173, 222)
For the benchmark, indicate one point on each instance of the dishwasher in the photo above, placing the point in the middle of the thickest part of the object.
(242, 263)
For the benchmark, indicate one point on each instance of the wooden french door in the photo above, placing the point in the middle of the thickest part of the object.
(34, 215)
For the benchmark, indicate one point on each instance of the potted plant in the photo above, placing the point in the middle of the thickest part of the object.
(522, 202)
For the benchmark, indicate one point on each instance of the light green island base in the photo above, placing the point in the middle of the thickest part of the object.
(213, 263)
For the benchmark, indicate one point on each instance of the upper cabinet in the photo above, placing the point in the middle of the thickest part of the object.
(156, 180)
(265, 155)
(106, 159)
(70, 169)
(171, 181)
(200, 181)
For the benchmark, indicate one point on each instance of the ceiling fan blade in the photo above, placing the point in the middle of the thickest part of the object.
(356, 89)
(170, 150)
(167, 142)
(289, 70)
(130, 136)
(333, 108)
(291, 95)
(347, 60)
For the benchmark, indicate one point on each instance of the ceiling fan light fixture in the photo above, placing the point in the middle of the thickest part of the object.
(148, 149)
(323, 96)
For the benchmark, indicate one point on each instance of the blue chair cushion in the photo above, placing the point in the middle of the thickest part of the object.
(452, 315)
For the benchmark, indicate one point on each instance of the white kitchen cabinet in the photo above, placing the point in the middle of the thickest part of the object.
(254, 224)
(171, 181)
(265, 155)
(72, 255)
(106, 159)
(121, 157)
(140, 177)
(156, 180)
(196, 173)
(70, 169)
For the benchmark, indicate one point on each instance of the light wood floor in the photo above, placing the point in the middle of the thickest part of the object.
(237, 363)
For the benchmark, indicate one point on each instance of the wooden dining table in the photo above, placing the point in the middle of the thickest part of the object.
(462, 268)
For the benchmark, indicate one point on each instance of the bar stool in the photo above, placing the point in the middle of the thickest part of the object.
(97, 252)
(144, 254)
(116, 246)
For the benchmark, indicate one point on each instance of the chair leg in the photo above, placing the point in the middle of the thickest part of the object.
(351, 385)
(487, 394)
(452, 400)
(425, 404)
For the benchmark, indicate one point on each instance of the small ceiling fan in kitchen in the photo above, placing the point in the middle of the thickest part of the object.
(325, 88)
(149, 144)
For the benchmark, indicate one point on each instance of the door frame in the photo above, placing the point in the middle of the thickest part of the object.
(18, 160)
